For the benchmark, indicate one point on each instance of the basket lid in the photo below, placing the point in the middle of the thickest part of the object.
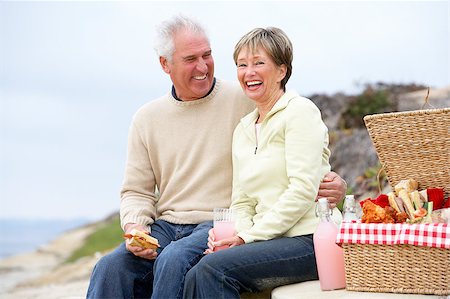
(413, 144)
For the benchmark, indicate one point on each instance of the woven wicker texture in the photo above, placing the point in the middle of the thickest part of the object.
(397, 269)
(414, 144)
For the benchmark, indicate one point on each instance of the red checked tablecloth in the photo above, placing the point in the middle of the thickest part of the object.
(432, 235)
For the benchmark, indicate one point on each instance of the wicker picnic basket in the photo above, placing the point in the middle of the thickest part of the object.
(414, 144)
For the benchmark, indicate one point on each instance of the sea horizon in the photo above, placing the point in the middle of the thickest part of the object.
(33, 233)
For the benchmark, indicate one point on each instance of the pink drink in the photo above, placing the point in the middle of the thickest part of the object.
(329, 257)
(223, 230)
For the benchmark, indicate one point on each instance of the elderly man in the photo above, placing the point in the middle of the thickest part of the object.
(178, 169)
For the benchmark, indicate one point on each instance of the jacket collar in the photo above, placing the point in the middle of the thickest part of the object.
(250, 119)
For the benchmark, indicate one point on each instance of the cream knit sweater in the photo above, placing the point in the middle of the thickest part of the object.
(183, 150)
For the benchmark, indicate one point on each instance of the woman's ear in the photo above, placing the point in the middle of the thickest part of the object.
(282, 72)
(164, 64)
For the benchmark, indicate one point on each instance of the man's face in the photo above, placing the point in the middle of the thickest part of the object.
(192, 67)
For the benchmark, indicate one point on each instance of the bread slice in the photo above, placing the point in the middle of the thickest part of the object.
(409, 209)
(408, 185)
(423, 195)
(400, 204)
(415, 197)
(392, 202)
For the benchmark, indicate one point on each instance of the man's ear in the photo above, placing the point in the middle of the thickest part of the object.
(164, 64)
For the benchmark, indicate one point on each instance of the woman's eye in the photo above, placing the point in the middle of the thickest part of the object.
(259, 62)
(241, 65)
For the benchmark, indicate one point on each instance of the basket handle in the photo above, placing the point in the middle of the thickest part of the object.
(426, 100)
(378, 178)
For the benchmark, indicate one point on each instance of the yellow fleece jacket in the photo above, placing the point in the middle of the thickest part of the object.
(276, 180)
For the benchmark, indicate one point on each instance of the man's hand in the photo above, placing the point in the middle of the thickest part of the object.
(149, 254)
(333, 187)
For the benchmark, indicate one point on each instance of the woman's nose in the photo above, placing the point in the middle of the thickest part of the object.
(250, 70)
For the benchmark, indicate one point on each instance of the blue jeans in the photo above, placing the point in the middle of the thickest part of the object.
(252, 267)
(121, 274)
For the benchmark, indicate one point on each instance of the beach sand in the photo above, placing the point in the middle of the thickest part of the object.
(42, 273)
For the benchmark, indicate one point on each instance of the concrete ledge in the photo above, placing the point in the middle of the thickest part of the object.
(311, 290)
(263, 295)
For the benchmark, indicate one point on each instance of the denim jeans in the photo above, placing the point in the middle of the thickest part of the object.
(252, 267)
(121, 274)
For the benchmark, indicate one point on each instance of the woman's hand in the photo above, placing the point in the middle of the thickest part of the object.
(333, 187)
(211, 237)
(149, 254)
(230, 242)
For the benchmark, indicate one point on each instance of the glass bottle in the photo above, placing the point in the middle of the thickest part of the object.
(349, 210)
(329, 255)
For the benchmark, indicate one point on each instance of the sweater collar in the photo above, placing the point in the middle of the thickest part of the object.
(174, 94)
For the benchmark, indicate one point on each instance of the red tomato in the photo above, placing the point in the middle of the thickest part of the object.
(420, 213)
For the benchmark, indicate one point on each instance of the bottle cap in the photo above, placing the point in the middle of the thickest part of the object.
(322, 206)
(350, 199)
(323, 200)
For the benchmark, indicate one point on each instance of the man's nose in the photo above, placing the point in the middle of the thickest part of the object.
(201, 65)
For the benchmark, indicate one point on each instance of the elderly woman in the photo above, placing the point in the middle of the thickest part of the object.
(280, 154)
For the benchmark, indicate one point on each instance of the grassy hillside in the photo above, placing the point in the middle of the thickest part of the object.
(106, 236)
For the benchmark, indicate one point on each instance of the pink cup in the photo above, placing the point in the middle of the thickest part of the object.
(223, 225)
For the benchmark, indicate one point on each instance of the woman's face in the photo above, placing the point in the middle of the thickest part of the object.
(258, 75)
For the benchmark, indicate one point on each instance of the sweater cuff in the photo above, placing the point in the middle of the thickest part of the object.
(142, 220)
(137, 210)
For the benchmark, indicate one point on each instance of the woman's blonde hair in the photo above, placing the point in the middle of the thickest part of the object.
(275, 42)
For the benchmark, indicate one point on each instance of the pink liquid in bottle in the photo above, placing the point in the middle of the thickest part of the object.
(223, 230)
(329, 256)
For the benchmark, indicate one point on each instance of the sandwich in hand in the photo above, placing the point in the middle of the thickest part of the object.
(141, 239)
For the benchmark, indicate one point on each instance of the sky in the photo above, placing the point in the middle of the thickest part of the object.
(73, 74)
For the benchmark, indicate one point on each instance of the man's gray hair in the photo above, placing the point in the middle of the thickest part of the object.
(164, 45)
